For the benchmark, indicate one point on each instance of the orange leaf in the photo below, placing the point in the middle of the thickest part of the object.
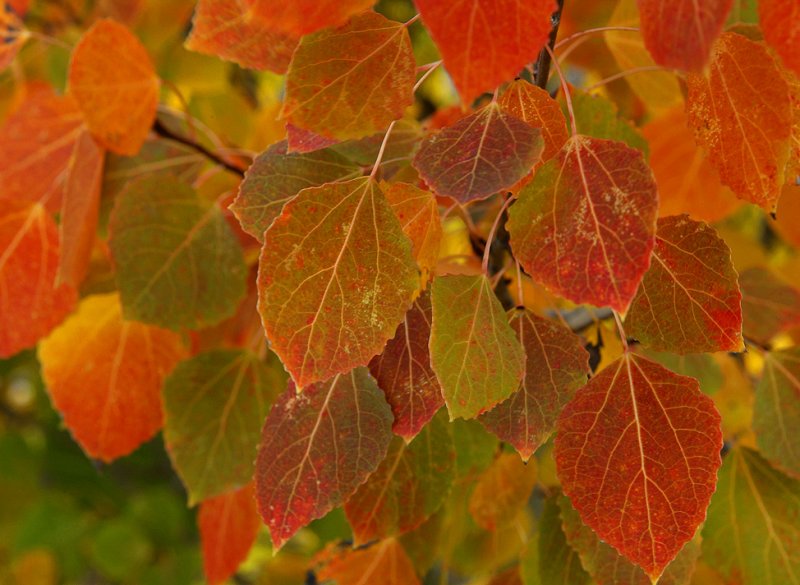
(115, 85)
(742, 115)
(680, 33)
(779, 20)
(228, 526)
(301, 17)
(637, 452)
(787, 222)
(385, 562)
(584, 227)
(12, 35)
(486, 43)
(30, 303)
(104, 376)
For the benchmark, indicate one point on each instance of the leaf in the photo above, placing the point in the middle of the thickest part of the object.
(597, 116)
(104, 376)
(752, 527)
(418, 213)
(178, 262)
(228, 526)
(689, 299)
(637, 453)
(335, 278)
(115, 85)
(80, 209)
(404, 372)
(556, 365)
(681, 34)
(214, 406)
(769, 306)
(228, 29)
(317, 447)
(696, 189)
(474, 352)
(787, 223)
(13, 34)
(36, 143)
(608, 567)
(351, 97)
(742, 115)
(584, 227)
(30, 302)
(502, 491)
(481, 154)
(776, 412)
(777, 19)
(301, 17)
(385, 562)
(408, 486)
(276, 176)
(486, 43)
(303, 141)
(701, 366)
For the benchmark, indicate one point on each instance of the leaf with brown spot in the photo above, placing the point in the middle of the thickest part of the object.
(769, 305)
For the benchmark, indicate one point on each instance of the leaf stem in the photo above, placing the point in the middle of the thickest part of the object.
(625, 73)
(430, 68)
(377, 164)
(160, 129)
(411, 20)
(622, 337)
(590, 31)
(546, 54)
(567, 97)
(520, 290)
(488, 248)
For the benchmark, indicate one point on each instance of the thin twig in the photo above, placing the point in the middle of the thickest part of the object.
(488, 247)
(589, 31)
(160, 129)
(546, 56)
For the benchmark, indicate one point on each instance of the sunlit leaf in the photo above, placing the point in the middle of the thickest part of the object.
(408, 486)
(214, 406)
(317, 447)
(336, 276)
(351, 96)
(474, 352)
(12, 33)
(778, 20)
(178, 262)
(301, 17)
(584, 227)
(769, 305)
(502, 491)
(115, 85)
(637, 453)
(384, 562)
(486, 43)
(597, 116)
(104, 376)
(556, 365)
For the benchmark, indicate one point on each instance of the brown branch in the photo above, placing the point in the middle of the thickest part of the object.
(160, 129)
(543, 63)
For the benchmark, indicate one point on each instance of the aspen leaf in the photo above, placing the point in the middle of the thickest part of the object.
(584, 227)
(479, 155)
(228, 526)
(385, 562)
(689, 299)
(12, 33)
(778, 21)
(304, 141)
(680, 34)
(769, 306)
(104, 376)
(317, 447)
(351, 97)
(741, 113)
(404, 372)
(408, 486)
(474, 352)
(486, 43)
(115, 85)
(301, 17)
(214, 406)
(178, 262)
(555, 366)
(597, 116)
(637, 453)
(336, 276)
(502, 491)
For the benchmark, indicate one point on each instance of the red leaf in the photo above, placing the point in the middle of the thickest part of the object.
(637, 452)
(778, 19)
(317, 447)
(486, 43)
(303, 141)
(30, 303)
(301, 17)
(680, 33)
(386, 563)
(229, 526)
(584, 227)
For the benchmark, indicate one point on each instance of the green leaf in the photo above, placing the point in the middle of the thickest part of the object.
(597, 116)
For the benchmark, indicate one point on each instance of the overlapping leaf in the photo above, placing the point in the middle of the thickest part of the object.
(474, 352)
(336, 276)
(115, 85)
(778, 20)
(751, 531)
(637, 453)
(408, 486)
(769, 306)
(556, 365)
(385, 562)
(13, 34)
(502, 491)
(178, 262)
(486, 43)
(404, 372)
(680, 34)
(317, 447)
(742, 115)
(585, 226)
(351, 81)
(214, 406)
(596, 116)
(689, 299)
(301, 17)
(104, 376)
(30, 302)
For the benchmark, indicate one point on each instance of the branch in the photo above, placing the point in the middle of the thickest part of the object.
(160, 129)
(543, 63)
